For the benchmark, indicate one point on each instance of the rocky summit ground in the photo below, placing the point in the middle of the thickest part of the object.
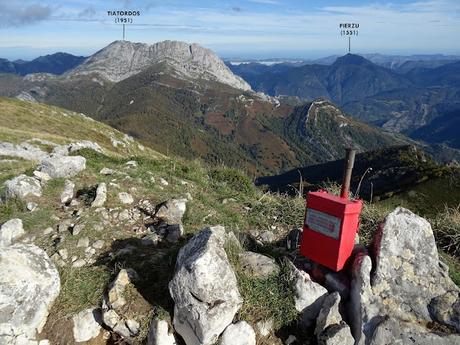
(104, 241)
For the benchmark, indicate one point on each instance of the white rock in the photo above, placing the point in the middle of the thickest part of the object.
(125, 198)
(67, 194)
(85, 325)
(83, 242)
(172, 211)
(31, 206)
(79, 263)
(99, 244)
(163, 181)
(62, 166)
(29, 284)
(132, 164)
(101, 195)
(240, 333)
(22, 186)
(258, 265)
(308, 295)
(204, 288)
(41, 176)
(10, 231)
(106, 171)
(265, 327)
(159, 333)
(24, 150)
(329, 314)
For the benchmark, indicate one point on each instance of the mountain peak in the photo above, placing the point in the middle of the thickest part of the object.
(352, 59)
(122, 59)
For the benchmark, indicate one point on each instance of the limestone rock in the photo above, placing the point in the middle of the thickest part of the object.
(308, 295)
(67, 194)
(204, 288)
(64, 150)
(31, 206)
(159, 333)
(337, 334)
(24, 150)
(101, 195)
(115, 295)
(62, 166)
(22, 186)
(10, 230)
(407, 274)
(29, 284)
(122, 59)
(391, 331)
(446, 309)
(106, 171)
(86, 325)
(125, 198)
(258, 265)
(240, 333)
(172, 211)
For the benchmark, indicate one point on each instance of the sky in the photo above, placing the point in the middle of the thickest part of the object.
(233, 28)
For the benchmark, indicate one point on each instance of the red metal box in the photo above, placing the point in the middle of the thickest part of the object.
(329, 230)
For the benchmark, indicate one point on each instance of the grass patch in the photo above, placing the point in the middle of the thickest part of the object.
(446, 226)
(454, 266)
(11, 208)
(264, 298)
(80, 288)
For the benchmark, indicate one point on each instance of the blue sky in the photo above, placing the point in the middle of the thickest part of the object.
(233, 28)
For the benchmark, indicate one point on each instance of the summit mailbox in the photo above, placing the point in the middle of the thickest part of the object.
(331, 224)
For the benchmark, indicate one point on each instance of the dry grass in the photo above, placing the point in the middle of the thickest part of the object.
(446, 226)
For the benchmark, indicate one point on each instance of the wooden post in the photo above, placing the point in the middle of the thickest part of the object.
(348, 168)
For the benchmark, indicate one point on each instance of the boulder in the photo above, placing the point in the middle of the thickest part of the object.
(337, 334)
(160, 334)
(308, 295)
(64, 150)
(391, 331)
(22, 186)
(172, 211)
(86, 325)
(258, 265)
(67, 194)
(24, 150)
(240, 333)
(407, 273)
(101, 195)
(62, 166)
(10, 230)
(29, 284)
(204, 288)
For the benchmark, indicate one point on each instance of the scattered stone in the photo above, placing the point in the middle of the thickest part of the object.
(86, 325)
(31, 206)
(10, 231)
(133, 327)
(79, 263)
(172, 211)
(77, 229)
(125, 198)
(106, 171)
(308, 296)
(22, 186)
(204, 288)
(163, 181)
(29, 284)
(64, 150)
(160, 334)
(258, 265)
(99, 244)
(83, 242)
(67, 194)
(41, 176)
(62, 166)
(63, 253)
(48, 231)
(240, 333)
(64, 226)
(101, 195)
(131, 164)
(265, 327)
(115, 295)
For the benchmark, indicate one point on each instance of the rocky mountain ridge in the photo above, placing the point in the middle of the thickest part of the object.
(122, 59)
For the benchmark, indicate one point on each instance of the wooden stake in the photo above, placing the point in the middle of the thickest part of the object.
(348, 168)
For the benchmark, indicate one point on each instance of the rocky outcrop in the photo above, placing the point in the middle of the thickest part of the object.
(62, 166)
(101, 195)
(122, 59)
(204, 288)
(10, 230)
(172, 211)
(29, 284)
(22, 186)
(24, 150)
(409, 284)
(67, 193)
(308, 296)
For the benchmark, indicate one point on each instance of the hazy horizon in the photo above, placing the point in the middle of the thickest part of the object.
(234, 28)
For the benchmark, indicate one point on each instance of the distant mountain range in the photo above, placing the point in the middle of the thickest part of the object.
(401, 102)
(182, 99)
(57, 63)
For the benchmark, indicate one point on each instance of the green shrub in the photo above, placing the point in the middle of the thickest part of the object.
(232, 178)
